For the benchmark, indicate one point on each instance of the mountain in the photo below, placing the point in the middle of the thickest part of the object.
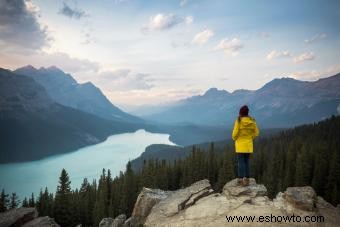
(64, 89)
(284, 102)
(33, 125)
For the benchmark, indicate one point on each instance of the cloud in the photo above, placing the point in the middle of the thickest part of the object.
(82, 69)
(123, 80)
(202, 37)
(161, 22)
(177, 44)
(155, 96)
(308, 56)
(189, 20)
(232, 46)
(316, 37)
(19, 25)
(278, 54)
(68, 63)
(264, 35)
(73, 13)
(183, 3)
(315, 74)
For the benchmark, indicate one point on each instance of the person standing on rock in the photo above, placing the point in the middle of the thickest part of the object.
(244, 132)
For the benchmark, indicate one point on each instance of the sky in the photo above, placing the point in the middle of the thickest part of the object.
(156, 52)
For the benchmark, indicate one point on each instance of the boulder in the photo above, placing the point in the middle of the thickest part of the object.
(128, 223)
(119, 221)
(106, 222)
(180, 199)
(197, 205)
(233, 189)
(146, 199)
(303, 198)
(42, 222)
(17, 217)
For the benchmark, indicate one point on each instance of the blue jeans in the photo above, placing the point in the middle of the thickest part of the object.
(243, 164)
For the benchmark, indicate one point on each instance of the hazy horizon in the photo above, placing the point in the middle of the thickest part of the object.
(135, 108)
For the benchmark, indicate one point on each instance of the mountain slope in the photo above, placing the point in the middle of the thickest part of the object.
(66, 91)
(33, 126)
(282, 102)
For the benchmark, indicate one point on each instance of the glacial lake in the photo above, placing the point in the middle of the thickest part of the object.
(27, 177)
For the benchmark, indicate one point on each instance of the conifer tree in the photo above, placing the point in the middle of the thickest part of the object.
(31, 201)
(62, 206)
(4, 201)
(14, 201)
(25, 203)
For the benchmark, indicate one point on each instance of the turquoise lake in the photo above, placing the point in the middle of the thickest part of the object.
(27, 177)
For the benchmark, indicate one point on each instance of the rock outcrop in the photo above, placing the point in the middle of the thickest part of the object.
(119, 221)
(199, 205)
(42, 222)
(27, 217)
(144, 203)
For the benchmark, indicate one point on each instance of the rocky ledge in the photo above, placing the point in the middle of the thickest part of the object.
(25, 217)
(199, 205)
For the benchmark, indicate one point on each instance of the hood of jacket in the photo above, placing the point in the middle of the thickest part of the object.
(247, 122)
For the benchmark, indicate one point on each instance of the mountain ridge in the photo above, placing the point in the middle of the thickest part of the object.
(281, 102)
(64, 89)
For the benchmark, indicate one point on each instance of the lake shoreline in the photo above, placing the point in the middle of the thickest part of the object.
(113, 153)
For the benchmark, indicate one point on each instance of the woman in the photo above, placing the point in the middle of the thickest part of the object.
(245, 130)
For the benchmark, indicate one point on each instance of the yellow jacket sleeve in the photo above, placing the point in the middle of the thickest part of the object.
(256, 131)
(235, 130)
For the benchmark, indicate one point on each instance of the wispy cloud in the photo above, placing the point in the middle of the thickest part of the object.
(19, 25)
(316, 37)
(73, 13)
(161, 22)
(124, 80)
(278, 54)
(202, 37)
(230, 46)
(183, 3)
(308, 56)
(316, 74)
(264, 35)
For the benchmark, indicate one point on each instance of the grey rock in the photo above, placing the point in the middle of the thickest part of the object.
(127, 222)
(106, 222)
(303, 198)
(232, 189)
(192, 199)
(177, 200)
(179, 208)
(119, 221)
(17, 217)
(42, 222)
(144, 203)
(321, 203)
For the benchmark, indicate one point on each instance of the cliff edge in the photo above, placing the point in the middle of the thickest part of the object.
(199, 205)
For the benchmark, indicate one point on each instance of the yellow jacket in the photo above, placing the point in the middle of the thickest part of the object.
(244, 133)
